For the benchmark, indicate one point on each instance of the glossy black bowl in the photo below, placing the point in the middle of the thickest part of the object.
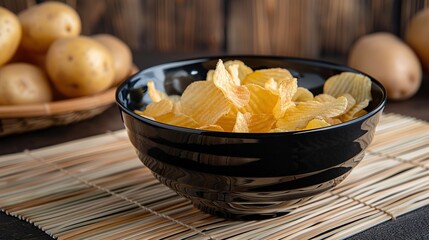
(245, 175)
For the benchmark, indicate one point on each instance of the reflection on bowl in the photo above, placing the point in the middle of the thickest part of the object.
(245, 175)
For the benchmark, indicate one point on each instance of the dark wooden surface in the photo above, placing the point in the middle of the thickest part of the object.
(414, 225)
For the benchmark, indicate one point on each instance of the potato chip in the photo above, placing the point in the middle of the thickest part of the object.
(349, 115)
(227, 121)
(360, 113)
(204, 102)
(141, 113)
(261, 100)
(241, 123)
(209, 76)
(350, 101)
(298, 116)
(233, 71)
(287, 90)
(316, 123)
(272, 86)
(323, 97)
(357, 85)
(302, 95)
(243, 69)
(259, 123)
(238, 95)
(158, 108)
(212, 127)
(177, 119)
(154, 94)
(260, 77)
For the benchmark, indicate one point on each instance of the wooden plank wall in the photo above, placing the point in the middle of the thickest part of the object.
(304, 28)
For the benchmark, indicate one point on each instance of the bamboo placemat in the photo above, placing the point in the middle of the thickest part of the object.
(97, 188)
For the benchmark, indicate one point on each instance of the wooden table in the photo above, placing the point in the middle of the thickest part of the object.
(412, 225)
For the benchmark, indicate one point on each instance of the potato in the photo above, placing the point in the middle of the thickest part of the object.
(10, 35)
(389, 60)
(79, 66)
(121, 54)
(42, 24)
(417, 36)
(23, 83)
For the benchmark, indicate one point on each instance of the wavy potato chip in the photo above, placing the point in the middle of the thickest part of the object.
(241, 123)
(154, 94)
(357, 85)
(299, 116)
(316, 123)
(204, 102)
(271, 85)
(243, 69)
(259, 123)
(158, 108)
(302, 95)
(212, 127)
(323, 97)
(350, 114)
(350, 101)
(178, 119)
(261, 100)
(238, 95)
(260, 77)
(287, 90)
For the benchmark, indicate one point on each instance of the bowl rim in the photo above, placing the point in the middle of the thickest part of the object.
(300, 60)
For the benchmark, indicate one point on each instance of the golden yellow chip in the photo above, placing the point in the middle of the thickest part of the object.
(178, 119)
(272, 86)
(302, 95)
(259, 123)
(209, 76)
(357, 85)
(261, 100)
(141, 113)
(323, 97)
(349, 115)
(350, 101)
(158, 108)
(212, 127)
(233, 71)
(360, 113)
(227, 121)
(287, 90)
(297, 117)
(154, 94)
(241, 123)
(204, 102)
(238, 95)
(260, 77)
(316, 123)
(243, 69)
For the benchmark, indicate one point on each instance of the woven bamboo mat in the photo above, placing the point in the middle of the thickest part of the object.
(96, 188)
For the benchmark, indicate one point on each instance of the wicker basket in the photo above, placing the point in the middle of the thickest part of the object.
(23, 118)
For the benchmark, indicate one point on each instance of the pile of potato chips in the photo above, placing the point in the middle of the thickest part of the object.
(234, 98)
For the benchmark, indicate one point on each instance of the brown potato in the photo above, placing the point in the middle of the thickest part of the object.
(23, 83)
(417, 36)
(389, 60)
(42, 24)
(79, 66)
(10, 35)
(121, 54)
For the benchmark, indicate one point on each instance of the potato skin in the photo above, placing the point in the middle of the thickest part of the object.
(42, 24)
(23, 83)
(10, 35)
(121, 54)
(389, 60)
(79, 66)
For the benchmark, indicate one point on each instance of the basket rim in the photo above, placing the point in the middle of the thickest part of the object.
(61, 106)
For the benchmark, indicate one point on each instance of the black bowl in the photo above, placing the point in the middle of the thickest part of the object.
(245, 175)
